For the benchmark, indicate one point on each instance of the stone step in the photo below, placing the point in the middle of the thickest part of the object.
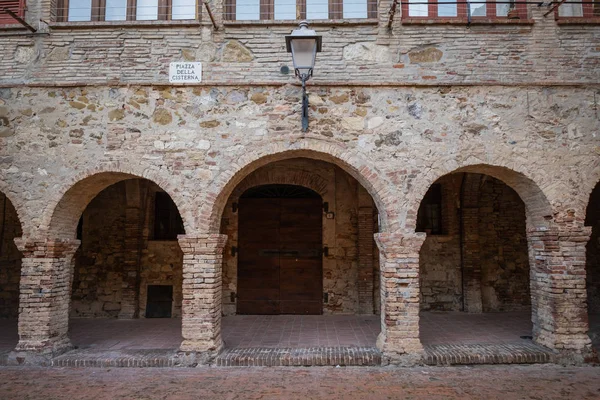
(125, 358)
(466, 354)
(299, 357)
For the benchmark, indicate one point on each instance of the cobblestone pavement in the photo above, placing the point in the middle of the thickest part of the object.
(485, 382)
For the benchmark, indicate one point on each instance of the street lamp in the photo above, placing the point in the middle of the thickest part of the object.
(304, 44)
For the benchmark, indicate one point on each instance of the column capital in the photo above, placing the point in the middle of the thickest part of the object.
(46, 247)
(400, 242)
(202, 243)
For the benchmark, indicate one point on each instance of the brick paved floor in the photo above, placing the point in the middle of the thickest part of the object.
(294, 331)
(272, 331)
(463, 328)
(512, 382)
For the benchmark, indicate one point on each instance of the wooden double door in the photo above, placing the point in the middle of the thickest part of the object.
(280, 268)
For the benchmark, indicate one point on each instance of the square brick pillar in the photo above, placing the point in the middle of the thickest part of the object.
(201, 307)
(45, 294)
(399, 257)
(558, 289)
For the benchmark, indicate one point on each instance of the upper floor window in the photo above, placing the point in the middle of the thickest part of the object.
(452, 9)
(254, 10)
(16, 6)
(125, 10)
(574, 9)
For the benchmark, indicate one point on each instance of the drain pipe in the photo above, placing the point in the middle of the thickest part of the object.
(461, 235)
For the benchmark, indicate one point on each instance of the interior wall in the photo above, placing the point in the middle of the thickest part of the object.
(503, 248)
(340, 235)
(499, 240)
(593, 252)
(101, 284)
(10, 259)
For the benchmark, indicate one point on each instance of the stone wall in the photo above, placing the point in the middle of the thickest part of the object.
(340, 234)
(98, 275)
(523, 51)
(10, 259)
(498, 239)
(101, 282)
(593, 252)
(440, 259)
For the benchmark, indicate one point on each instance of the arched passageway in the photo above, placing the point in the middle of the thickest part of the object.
(593, 266)
(128, 267)
(474, 264)
(10, 274)
(110, 266)
(300, 259)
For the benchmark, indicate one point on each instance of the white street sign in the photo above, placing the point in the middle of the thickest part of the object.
(185, 72)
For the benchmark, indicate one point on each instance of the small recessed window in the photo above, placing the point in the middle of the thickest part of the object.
(429, 217)
(167, 221)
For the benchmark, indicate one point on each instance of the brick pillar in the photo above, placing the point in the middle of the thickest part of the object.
(45, 293)
(365, 252)
(202, 277)
(558, 288)
(470, 248)
(399, 337)
(135, 214)
(471, 273)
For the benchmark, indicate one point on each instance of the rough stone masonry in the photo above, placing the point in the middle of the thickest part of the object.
(513, 107)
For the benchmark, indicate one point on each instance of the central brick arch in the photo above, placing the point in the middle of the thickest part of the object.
(290, 176)
(64, 209)
(348, 160)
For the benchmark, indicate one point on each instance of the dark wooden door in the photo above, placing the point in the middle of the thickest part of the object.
(280, 262)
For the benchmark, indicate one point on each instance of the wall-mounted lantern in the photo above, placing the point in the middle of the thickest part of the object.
(304, 44)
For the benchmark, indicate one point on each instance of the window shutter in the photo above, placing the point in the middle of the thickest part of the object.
(16, 6)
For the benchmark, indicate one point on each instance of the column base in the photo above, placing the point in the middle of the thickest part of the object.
(36, 352)
(205, 350)
(402, 352)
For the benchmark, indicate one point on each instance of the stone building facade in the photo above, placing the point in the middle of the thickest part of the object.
(494, 120)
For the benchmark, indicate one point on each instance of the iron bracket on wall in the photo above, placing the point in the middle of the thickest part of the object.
(19, 20)
(304, 78)
(326, 251)
(234, 251)
(234, 207)
(210, 14)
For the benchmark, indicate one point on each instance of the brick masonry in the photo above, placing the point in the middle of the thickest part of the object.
(82, 109)
(494, 263)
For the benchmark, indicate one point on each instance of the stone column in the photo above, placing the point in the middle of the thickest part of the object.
(558, 289)
(45, 294)
(399, 338)
(201, 307)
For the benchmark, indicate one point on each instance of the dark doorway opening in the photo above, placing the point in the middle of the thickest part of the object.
(160, 301)
(280, 268)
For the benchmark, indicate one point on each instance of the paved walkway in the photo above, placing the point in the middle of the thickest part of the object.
(294, 331)
(546, 382)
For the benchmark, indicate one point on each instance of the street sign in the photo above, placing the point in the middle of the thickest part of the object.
(185, 72)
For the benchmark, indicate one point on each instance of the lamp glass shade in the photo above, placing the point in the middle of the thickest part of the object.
(304, 52)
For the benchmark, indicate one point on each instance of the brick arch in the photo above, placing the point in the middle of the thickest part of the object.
(289, 176)
(60, 217)
(537, 206)
(260, 155)
(588, 188)
(5, 190)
